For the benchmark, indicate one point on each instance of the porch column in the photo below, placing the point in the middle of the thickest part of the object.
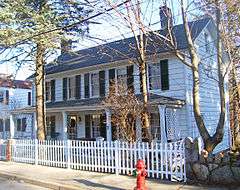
(138, 129)
(34, 135)
(12, 126)
(108, 125)
(64, 124)
(162, 114)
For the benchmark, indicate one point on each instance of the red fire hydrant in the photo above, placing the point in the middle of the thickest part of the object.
(141, 173)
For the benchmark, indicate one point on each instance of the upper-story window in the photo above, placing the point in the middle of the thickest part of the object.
(154, 74)
(122, 76)
(71, 87)
(4, 97)
(48, 91)
(158, 75)
(94, 84)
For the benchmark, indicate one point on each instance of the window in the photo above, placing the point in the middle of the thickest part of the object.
(1, 125)
(29, 98)
(71, 87)
(7, 125)
(95, 84)
(48, 91)
(21, 124)
(50, 123)
(95, 126)
(154, 73)
(155, 126)
(122, 76)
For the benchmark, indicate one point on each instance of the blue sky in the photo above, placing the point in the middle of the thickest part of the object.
(111, 28)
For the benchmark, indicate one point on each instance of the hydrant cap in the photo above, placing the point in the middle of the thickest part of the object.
(140, 164)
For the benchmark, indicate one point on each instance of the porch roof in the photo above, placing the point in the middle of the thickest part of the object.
(96, 103)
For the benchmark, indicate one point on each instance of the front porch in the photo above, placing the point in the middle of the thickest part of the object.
(83, 120)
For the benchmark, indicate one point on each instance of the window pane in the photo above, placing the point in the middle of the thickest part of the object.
(48, 91)
(122, 76)
(24, 124)
(95, 84)
(154, 76)
(155, 126)
(18, 124)
(95, 126)
(7, 125)
(71, 87)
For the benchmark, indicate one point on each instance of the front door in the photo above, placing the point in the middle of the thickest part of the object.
(72, 127)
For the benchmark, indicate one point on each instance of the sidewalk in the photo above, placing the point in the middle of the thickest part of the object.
(67, 179)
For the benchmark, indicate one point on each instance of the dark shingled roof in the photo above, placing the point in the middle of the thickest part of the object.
(122, 49)
(153, 98)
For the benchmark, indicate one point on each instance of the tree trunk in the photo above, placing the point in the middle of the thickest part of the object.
(210, 142)
(39, 83)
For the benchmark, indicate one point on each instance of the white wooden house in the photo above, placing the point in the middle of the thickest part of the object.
(14, 95)
(77, 84)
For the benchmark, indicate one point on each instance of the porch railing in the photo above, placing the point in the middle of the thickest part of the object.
(163, 160)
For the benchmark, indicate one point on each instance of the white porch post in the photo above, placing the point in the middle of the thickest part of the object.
(162, 109)
(34, 135)
(64, 123)
(12, 126)
(138, 129)
(108, 125)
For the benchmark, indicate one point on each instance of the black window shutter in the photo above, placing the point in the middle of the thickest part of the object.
(19, 125)
(87, 126)
(111, 76)
(130, 78)
(1, 125)
(53, 90)
(7, 97)
(103, 126)
(29, 98)
(164, 74)
(102, 83)
(86, 85)
(64, 88)
(78, 87)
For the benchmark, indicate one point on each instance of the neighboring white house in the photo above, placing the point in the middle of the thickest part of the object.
(76, 86)
(14, 94)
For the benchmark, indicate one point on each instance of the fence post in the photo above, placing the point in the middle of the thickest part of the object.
(117, 157)
(36, 152)
(8, 150)
(68, 153)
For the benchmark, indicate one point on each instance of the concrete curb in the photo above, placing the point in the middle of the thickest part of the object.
(50, 185)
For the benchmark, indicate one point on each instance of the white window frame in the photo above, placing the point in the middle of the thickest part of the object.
(91, 85)
(148, 77)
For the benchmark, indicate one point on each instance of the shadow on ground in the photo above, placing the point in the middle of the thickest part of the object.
(96, 185)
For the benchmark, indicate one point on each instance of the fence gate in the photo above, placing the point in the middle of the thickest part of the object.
(162, 160)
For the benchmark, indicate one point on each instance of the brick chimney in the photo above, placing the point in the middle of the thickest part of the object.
(165, 17)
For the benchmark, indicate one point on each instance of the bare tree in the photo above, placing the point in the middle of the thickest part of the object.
(126, 108)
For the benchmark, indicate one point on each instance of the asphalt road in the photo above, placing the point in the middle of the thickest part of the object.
(7, 184)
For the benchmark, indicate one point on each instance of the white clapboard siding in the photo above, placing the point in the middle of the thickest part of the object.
(162, 160)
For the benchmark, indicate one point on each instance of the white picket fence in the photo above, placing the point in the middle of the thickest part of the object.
(163, 160)
(3, 149)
